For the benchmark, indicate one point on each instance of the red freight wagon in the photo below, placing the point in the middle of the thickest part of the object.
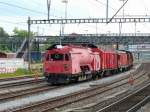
(129, 59)
(122, 60)
(109, 60)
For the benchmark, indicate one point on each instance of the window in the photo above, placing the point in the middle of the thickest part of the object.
(57, 57)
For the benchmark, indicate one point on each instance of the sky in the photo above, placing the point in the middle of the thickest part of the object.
(14, 13)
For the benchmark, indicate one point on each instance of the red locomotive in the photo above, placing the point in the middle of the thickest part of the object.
(71, 63)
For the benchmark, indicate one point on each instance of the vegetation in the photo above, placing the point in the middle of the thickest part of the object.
(11, 44)
(20, 73)
(8, 44)
(3, 33)
(19, 33)
(3, 36)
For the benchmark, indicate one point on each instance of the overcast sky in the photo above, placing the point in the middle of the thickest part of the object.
(14, 13)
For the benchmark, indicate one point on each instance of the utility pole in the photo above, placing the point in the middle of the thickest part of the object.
(120, 24)
(107, 11)
(135, 28)
(48, 8)
(29, 50)
(65, 2)
(96, 30)
(63, 25)
(123, 8)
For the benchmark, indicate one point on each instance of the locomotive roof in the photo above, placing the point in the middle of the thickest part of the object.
(54, 46)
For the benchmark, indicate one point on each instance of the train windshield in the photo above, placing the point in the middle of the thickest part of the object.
(57, 57)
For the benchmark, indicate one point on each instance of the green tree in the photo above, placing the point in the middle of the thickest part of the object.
(3, 33)
(22, 33)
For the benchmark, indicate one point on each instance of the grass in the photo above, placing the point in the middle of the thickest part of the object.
(20, 73)
(37, 66)
(36, 70)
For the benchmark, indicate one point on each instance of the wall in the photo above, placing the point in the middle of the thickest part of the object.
(11, 65)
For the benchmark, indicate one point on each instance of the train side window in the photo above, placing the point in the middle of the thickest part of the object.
(66, 57)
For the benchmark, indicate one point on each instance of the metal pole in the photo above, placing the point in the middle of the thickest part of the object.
(29, 51)
(96, 30)
(123, 8)
(66, 9)
(120, 24)
(135, 29)
(60, 35)
(65, 2)
(63, 25)
(120, 28)
(107, 11)
(117, 46)
(48, 8)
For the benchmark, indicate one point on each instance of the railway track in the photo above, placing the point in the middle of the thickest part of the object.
(16, 78)
(13, 83)
(140, 104)
(51, 104)
(22, 93)
(130, 103)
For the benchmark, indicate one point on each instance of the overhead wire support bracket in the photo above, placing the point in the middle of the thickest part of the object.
(91, 20)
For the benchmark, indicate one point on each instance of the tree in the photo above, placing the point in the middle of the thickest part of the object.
(22, 33)
(3, 33)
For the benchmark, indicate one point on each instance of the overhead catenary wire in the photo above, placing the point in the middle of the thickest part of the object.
(118, 11)
(105, 4)
(145, 6)
(20, 7)
(27, 9)
(31, 10)
(46, 13)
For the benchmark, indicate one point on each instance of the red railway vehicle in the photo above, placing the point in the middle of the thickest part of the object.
(71, 63)
(125, 60)
(122, 60)
(109, 62)
(130, 59)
